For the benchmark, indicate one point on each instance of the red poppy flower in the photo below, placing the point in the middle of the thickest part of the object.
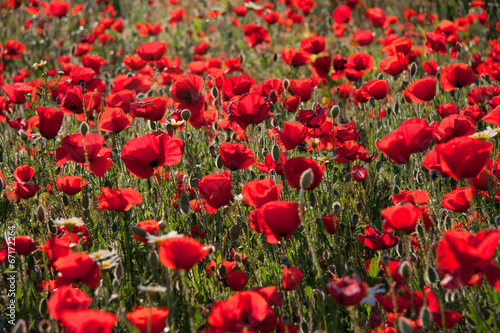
(463, 157)
(360, 61)
(13, 49)
(114, 120)
(291, 277)
(436, 42)
(412, 136)
(71, 185)
(259, 192)
(302, 88)
(17, 92)
(394, 65)
(450, 317)
(269, 164)
(321, 67)
(149, 320)
(151, 51)
(75, 148)
(331, 223)
(187, 95)
(313, 45)
(93, 61)
(376, 17)
(399, 45)
(57, 8)
(295, 167)
(445, 110)
(342, 14)
(215, 189)
(57, 247)
(176, 16)
(242, 309)
(236, 156)
(295, 57)
(248, 109)
(67, 298)
(50, 121)
(118, 200)
(455, 76)
(79, 267)
(237, 86)
(82, 321)
(358, 173)
(493, 117)
(377, 89)
(453, 126)
(361, 38)
(401, 217)
(347, 291)
(312, 118)
(150, 226)
(458, 200)
(430, 67)
(375, 240)
(463, 254)
(24, 245)
(237, 280)
(292, 135)
(22, 189)
(181, 252)
(143, 154)
(422, 90)
(255, 34)
(291, 103)
(276, 220)
(121, 99)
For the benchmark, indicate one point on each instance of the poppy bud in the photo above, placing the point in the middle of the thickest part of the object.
(138, 231)
(43, 307)
(84, 128)
(52, 227)
(458, 47)
(320, 295)
(372, 102)
(85, 200)
(326, 255)
(184, 204)
(413, 69)
(306, 179)
(426, 317)
(193, 182)
(335, 111)
(420, 231)
(305, 326)
(115, 283)
(20, 327)
(186, 114)
(400, 249)
(23, 135)
(359, 206)
(285, 261)
(154, 259)
(405, 270)
(354, 220)
(237, 257)
(65, 200)
(276, 153)
(119, 273)
(497, 220)
(275, 57)
(404, 326)
(152, 125)
(218, 162)
(286, 84)
(214, 92)
(430, 275)
(347, 177)
(222, 271)
(405, 76)
(336, 193)
(234, 232)
(31, 262)
(286, 320)
(312, 199)
(487, 78)
(44, 326)
(40, 213)
(380, 76)
(336, 208)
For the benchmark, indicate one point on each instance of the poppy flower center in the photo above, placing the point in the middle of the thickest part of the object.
(153, 164)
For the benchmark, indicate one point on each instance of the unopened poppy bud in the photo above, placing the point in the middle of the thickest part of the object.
(119, 272)
(306, 179)
(84, 128)
(115, 283)
(420, 230)
(52, 227)
(276, 153)
(153, 259)
(286, 320)
(152, 125)
(31, 262)
(430, 276)
(372, 102)
(413, 69)
(335, 111)
(222, 271)
(214, 92)
(404, 326)
(326, 255)
(40, 213)
(497, 220)
(286, 84)
(312, 199)
(85, 200)
(20, 327)
(234, 232)
(305, 327)
(186, 114)
(285, 261)
(336, 208)
(43, 307)
(359, 206)
(1, 186)
(212, 150)
(347, 177)
(272, 107)
(487, 78)
(138, 231)
(275, 57)
(218, 162)
(405, 76)
(237, 257)
(405, 270)
(458, 47)
(169, 127)
(193, 182)
(23, 135)
(336, 193)
(426, 317)
(354, 220)
(319, 294)
(211, 249)
(380, 76)
(184, 204)
(44, 326)
(396, 108)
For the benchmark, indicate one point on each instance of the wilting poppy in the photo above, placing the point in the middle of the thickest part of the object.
(67, 298)
(82, 321)
(292, 276)
(215, 189)
(259, 192)
(71, 185)
(422, 90)
(276, 220)
(79, 267)
(143, 154)
(375, 240)
(151, 51)
(347, 291)
(236, 156)
(295, 167)
(149, 320)
(455, 76)
(401, 217)
(118, 200)
(181, 252)
(463, 157)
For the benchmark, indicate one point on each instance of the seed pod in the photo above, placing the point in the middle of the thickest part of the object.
(426, 317)
(306, 179)
(186, 114)
(40, 213)
(184, 204)
(84, 128)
